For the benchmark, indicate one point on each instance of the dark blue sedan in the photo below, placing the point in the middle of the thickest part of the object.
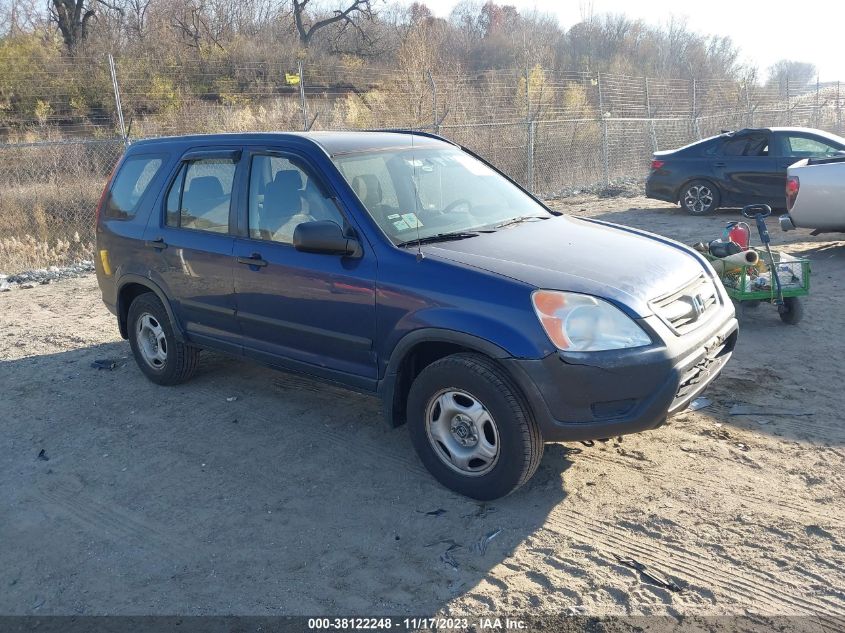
(736, 168)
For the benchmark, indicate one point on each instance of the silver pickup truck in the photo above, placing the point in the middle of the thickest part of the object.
(815, 195)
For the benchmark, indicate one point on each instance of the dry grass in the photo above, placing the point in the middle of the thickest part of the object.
(43, 225)
(48, 199)
(26, 253)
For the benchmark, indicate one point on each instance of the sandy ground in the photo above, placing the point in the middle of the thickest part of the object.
(296, 499)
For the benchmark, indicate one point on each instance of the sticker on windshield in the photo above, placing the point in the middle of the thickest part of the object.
(412, 220)
(393, 216)
(401, 225)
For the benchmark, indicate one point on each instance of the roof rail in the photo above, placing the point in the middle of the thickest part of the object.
(418, 133)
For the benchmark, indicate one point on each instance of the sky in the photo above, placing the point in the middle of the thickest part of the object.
(810, 31)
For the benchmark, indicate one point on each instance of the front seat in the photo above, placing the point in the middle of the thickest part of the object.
(282, 201)
(317, 205)
(203, 195)
(283, 208)
(368, 188)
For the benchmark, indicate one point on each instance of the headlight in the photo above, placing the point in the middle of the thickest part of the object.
(581, 323)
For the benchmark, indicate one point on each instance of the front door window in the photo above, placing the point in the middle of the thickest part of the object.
(282, 195)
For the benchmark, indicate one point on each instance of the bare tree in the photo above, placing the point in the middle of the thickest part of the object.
(73, 16)
(790, 73)
(19, 16)
(138, 10)
(191, 21)
(349, 17)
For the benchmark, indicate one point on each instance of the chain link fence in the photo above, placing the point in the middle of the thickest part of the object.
(62, 130)
(48, 194)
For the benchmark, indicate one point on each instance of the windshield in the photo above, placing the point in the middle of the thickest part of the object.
(419, 193)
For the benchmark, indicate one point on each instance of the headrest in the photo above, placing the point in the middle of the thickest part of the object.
(368, 189)
(205, 187)
(283, 195)
(288, 179)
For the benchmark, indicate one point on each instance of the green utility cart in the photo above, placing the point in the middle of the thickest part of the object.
(778, 278)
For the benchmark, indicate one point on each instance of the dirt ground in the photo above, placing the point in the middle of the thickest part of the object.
(296, 499)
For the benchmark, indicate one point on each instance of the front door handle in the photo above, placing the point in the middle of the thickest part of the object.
(254, 260)
(718, 164)
(158, 243)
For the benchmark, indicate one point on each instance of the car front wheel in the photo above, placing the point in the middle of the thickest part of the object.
(699, 197)
(472, 428)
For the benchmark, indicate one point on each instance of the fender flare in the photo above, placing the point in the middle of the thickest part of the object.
(131, 278)
(387, 385)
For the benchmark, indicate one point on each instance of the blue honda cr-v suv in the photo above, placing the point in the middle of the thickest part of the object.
(403, 265)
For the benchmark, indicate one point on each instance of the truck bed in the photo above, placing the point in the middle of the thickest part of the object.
(820, 203)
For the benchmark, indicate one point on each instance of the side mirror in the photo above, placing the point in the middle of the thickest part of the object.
(325, 237)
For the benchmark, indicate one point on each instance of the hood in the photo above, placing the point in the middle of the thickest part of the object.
(566, 253)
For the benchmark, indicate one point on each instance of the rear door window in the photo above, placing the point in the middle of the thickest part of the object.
(201, 195)
(130, 184)
(757, 146)
(734, 146)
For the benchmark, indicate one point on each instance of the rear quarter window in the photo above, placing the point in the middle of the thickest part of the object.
(708, 148)
(131, 182)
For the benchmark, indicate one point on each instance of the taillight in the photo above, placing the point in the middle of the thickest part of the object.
(792, 187)
(103, 198)
(657, 164)
(100, 204)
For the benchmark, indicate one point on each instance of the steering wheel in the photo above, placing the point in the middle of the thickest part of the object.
(450, 208)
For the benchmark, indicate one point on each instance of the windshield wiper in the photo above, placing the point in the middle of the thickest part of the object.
(520, 220)
(440, 237)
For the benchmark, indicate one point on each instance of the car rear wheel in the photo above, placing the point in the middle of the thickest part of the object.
(699, 197)
(472, 428)
(162, 358)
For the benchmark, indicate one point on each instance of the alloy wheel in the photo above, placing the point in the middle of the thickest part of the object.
(698, 199)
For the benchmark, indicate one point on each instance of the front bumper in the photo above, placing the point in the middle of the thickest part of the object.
(606, 394)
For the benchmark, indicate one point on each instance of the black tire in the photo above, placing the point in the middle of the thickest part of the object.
(699, 197)
(180, 360)
(792, 311)
(517, 436)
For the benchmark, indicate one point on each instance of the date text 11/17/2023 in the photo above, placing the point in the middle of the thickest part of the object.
(417, 624)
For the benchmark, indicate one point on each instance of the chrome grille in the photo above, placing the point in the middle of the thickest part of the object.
(688, 307)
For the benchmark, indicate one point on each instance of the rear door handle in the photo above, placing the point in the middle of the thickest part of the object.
(158, 243)
(254, 260)
(718, 164)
